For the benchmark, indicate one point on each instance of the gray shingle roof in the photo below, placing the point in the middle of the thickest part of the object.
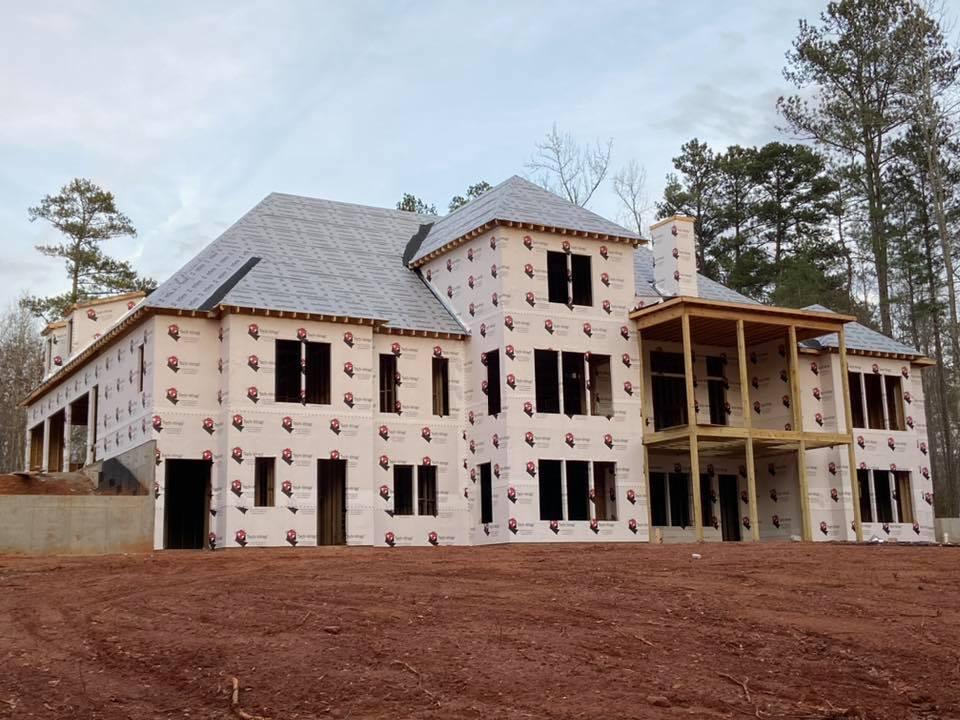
(516, 200)
(315, 256)
(860, 337)
(709, 289)
(299, 254)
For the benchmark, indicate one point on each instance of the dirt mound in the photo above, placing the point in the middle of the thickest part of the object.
(601, 631)
(70, 483)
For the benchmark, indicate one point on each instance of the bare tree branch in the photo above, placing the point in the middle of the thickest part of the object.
(630, 186)
(568, 168)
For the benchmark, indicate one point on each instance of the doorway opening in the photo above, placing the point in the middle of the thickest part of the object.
(186, 504)
(79, 418)
(56, 442)
(331, 502)
(729, 507)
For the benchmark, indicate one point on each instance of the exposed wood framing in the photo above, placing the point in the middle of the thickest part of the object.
(748, 426)
(691, 428)
(805, 530)
(701, 307)
(796, 407)
(723, 439)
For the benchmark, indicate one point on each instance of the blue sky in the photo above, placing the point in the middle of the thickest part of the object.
(192, 112)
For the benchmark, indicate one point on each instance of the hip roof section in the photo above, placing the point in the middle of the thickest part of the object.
(304, 255)
(516, 200)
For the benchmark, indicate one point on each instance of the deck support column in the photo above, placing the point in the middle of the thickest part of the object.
(748, 425)
(797, 425)
(851, 449)
(692, 427)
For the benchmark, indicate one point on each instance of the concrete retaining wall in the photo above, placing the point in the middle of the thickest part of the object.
(75, 525)
(948, 526)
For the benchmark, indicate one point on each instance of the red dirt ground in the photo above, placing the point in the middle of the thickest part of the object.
(812, 631)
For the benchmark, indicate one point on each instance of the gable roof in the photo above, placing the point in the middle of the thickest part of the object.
(860, 337)
(519, 201)
(298, 254)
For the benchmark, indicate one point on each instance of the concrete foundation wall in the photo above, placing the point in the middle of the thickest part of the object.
(947, 527)
(85, 525)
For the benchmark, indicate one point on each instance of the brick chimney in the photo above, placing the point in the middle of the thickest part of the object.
(675, 256)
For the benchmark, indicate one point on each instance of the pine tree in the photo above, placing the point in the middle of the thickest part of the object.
(86, 215)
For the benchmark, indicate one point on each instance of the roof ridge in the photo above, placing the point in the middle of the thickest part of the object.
(396, 211)
(479, 197)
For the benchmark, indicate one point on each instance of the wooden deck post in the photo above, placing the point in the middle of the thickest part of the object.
(692, 427)
(796, 406)
(851, 449)
(748, 425)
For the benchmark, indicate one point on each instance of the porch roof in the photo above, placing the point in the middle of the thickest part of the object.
(710, 321)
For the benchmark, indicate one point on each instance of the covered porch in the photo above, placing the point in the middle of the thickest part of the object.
(696, 406)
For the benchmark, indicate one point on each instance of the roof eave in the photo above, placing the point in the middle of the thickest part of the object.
(533, 227)
(921, 360)
(378, 324)
(90, 351)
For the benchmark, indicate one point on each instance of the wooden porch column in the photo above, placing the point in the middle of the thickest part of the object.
(45, 465)
(795, 405)
(28, 449)
(642, 396)
(851, 450)
(692, 427)
(748, 425)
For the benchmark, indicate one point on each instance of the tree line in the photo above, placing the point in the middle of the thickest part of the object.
(857, 208)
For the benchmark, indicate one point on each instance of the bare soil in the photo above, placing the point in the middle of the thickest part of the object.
(614, 631)
(62, 483)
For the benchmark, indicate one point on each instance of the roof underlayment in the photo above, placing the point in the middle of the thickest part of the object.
(298, 254)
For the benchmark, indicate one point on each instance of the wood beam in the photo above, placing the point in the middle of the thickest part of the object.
(681, 432)
(795, 405)
(658, 318)
(815, 439)
(747, 424)
(851, 449)
(695, 486)
(752, 490)
(721, 431)
(691, 425)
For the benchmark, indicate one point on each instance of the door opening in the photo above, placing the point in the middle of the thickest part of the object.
(729, 507)
(331, 502)
(186, 504)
